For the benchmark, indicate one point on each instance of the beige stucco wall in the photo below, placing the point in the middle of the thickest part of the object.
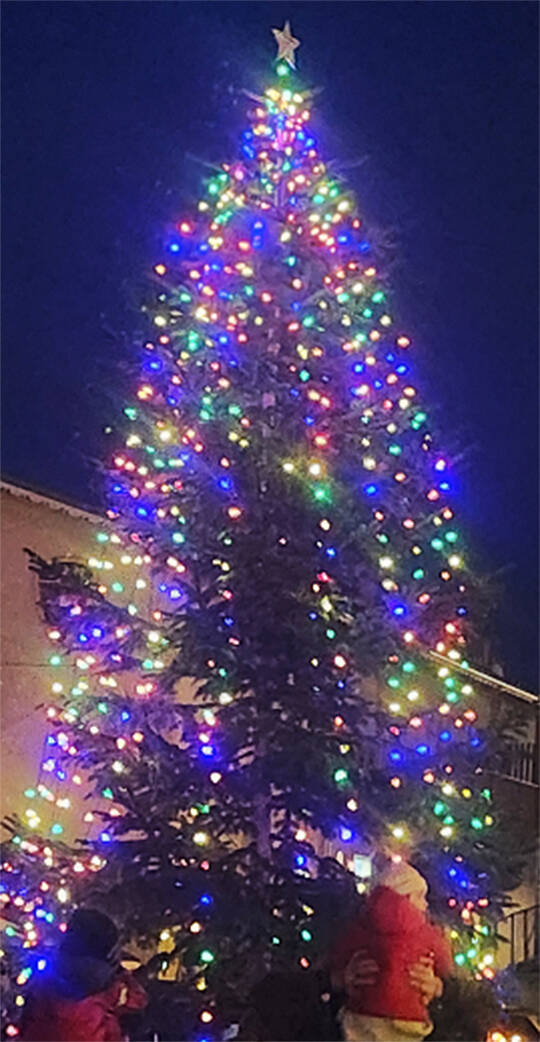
(50, 528)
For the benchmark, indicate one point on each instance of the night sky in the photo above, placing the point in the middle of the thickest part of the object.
(109, 112)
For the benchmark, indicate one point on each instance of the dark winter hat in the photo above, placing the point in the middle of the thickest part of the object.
(288, 1006)
(90, 933)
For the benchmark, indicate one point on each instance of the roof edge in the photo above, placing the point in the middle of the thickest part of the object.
(22, 492)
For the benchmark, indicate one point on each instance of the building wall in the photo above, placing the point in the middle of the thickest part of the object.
(516, 797)
(51, 529)
(519, 801)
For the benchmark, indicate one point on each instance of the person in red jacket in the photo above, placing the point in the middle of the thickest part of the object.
(395, 932)
(83, 992)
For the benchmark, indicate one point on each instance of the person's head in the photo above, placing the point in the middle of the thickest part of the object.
(405, 880)
(90, 933)
(284, 1007)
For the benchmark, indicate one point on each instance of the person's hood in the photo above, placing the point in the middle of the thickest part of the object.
(77, 976)
(390, 912)
(404, 879)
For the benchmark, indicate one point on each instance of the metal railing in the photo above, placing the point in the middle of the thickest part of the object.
(524, 928)
(522, 763)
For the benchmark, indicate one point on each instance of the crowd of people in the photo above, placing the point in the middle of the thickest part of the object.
(375, 985)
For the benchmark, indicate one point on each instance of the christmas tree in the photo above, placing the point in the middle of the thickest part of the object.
(261, 671)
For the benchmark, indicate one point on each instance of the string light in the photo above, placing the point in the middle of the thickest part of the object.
(273, 274)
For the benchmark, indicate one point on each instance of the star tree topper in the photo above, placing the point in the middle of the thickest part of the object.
(287, 44)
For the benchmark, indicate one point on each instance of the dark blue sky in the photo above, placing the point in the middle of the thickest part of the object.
(106, 104)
